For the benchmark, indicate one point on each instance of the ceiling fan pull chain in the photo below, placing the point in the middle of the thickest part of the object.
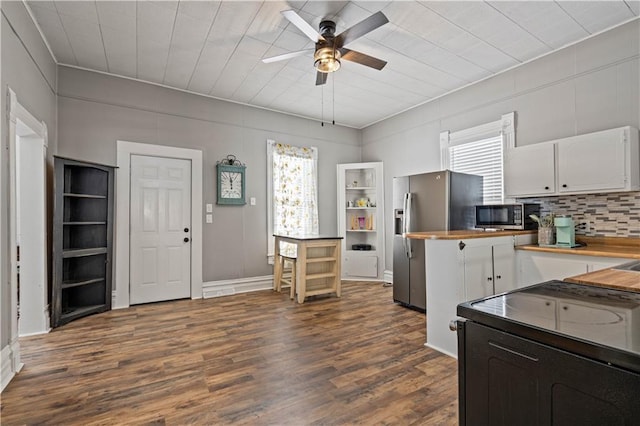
(333, 99)
(322, 107)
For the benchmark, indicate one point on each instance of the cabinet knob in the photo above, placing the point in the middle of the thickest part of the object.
(186, 239)
(565, 308)
(186, 229)
(498, 277)
(564, 185)
(489, 279)
(547, 303)
(546, 188)
(461, 245)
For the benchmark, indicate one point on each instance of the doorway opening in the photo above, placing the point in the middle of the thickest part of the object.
(28, 221)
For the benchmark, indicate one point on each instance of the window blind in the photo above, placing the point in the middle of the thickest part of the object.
(484, 158)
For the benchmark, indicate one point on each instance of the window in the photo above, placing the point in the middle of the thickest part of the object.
(484, 158)
(480, 151)
(292, 193)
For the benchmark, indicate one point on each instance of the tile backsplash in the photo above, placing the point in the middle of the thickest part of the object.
(608, 215)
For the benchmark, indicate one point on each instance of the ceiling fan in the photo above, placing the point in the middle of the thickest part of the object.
(330, 50)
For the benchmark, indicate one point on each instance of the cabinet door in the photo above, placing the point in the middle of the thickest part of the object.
(360, 266)
(530, 170)
(508, 380)
(500, 379)
(504, 268)
(591, 163)
(478, 272)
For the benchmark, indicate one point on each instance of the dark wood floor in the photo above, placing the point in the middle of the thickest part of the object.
(255, 358)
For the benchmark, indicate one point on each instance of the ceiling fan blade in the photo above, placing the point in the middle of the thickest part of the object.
(361, 28)
(287, 56)
(302, 25)
(321, 78)
(361, 58)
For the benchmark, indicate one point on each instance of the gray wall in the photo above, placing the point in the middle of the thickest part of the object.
(96, 110)
(29, 70)
(590, 86)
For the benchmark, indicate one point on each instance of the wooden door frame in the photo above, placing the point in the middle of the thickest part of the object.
(125, 150)
(11, 363)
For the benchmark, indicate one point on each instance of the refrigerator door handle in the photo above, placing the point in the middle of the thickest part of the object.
(407, 223)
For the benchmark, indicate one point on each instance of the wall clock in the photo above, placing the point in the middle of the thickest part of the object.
(231, 182)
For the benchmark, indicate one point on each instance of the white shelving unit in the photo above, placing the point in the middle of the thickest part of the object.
(361, 220)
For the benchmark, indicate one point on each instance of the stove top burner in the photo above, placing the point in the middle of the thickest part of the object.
(604, 316)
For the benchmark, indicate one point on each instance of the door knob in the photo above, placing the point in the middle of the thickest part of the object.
(186, 229)
(186, 239)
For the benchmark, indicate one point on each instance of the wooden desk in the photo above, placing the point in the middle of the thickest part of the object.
(318, 264)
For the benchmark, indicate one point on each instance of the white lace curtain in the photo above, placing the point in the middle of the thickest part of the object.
(294, 192)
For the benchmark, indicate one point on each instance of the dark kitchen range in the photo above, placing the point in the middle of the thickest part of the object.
(573, 350)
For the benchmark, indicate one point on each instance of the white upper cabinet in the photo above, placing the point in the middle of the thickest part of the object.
(594, 162)
(606, 161)
(530, 170)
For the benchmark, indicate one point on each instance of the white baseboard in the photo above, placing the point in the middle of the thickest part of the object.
(241, 285)
(9, 363)
(388, 276)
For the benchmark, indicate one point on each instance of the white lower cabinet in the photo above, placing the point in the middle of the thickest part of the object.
(356, 265)
(536, 267)
(459, 271)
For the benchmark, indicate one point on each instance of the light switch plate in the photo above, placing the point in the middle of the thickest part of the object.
(209, 218)
(209, 208)
(252, 201)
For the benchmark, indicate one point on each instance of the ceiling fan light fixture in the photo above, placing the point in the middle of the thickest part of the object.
(327, 59)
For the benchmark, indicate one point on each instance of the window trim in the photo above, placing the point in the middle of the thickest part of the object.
(504, 127)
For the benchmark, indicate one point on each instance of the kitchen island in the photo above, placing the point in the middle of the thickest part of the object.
(318, 264)
(464, 265)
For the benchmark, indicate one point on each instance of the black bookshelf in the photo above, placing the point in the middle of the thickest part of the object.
(82, 239)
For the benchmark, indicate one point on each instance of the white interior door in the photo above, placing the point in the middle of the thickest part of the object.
(160, 225)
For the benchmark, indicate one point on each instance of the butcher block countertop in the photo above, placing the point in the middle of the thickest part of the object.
(464, 234)
(612, 278)
(596, 246)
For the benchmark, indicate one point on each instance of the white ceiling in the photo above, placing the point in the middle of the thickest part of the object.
(216, 47)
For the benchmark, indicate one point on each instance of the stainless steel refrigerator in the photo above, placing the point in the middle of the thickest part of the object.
(436, 201)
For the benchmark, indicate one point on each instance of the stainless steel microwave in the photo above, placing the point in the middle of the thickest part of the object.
(507, 216)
